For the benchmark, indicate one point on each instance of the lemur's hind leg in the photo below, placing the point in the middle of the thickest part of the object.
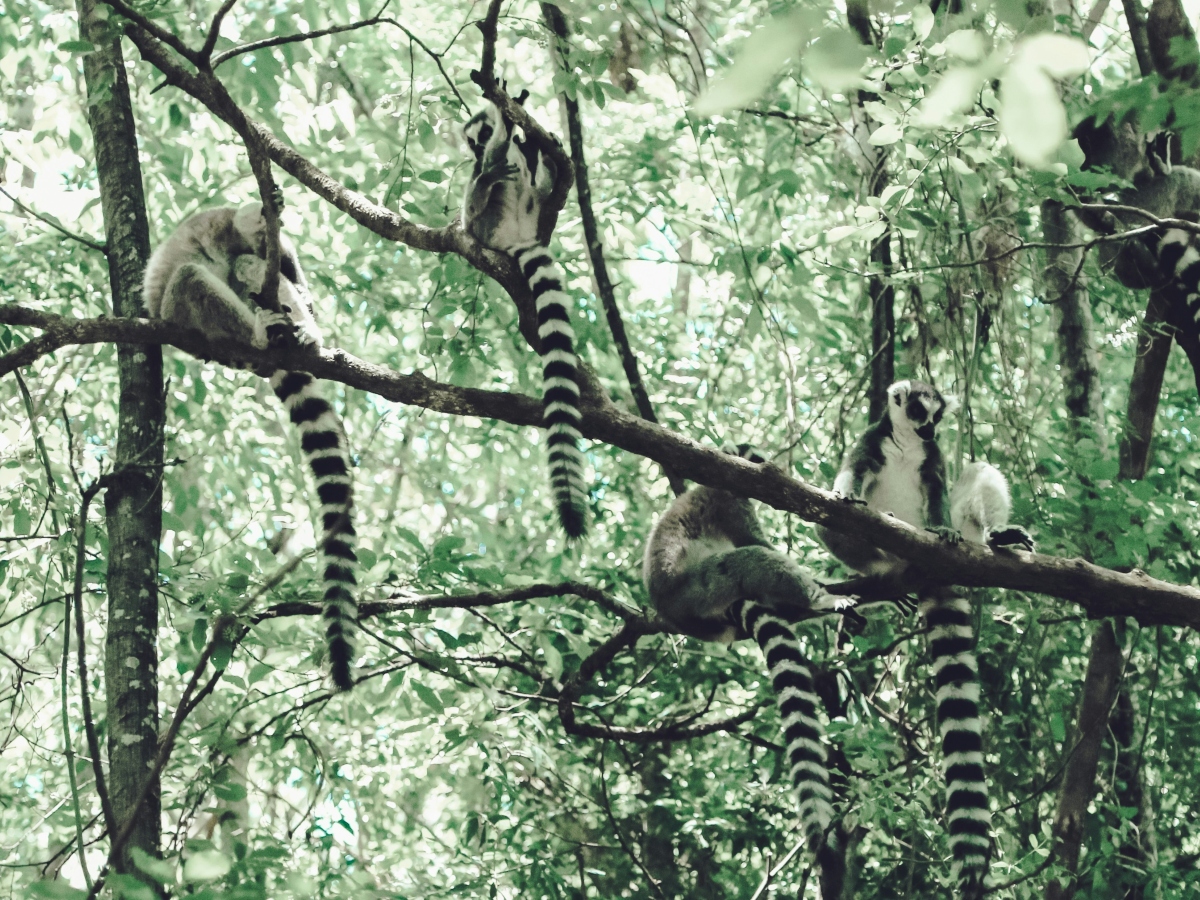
(747, 573)
(197, 298)
(250, 272)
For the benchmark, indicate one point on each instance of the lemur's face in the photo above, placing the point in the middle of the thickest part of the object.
(918, 404)
(479, 130)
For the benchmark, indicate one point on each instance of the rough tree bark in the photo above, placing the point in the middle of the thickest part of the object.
(879, 282)
(1079, 777)
(133, 503)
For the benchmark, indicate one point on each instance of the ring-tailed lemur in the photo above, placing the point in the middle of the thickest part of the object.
(510, 182)
(979, 509)
(711, 574)
(896, 467)
(1167, 258)
(202, 277)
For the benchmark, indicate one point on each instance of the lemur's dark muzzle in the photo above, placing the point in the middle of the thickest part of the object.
(925, 432)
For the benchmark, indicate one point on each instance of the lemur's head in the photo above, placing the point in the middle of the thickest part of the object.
(480, 128)
(917, 406)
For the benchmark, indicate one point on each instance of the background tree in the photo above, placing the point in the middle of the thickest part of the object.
(757, 184)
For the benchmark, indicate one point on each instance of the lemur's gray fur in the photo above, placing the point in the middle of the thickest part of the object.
(1156, 259)
(509, 184)
(711, 574)
(897, 467)
(204, 277)
(979, 508)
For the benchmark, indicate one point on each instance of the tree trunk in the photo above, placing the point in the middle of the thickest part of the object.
(1076, 337)
(1150, 364)
(1079, 778)
(133, 503)
(1081, 379)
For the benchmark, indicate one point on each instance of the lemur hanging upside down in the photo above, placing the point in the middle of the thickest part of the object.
(509, 185)
(711, 574)
(202, 277)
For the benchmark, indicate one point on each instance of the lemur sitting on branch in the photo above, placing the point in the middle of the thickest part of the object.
(203, 277)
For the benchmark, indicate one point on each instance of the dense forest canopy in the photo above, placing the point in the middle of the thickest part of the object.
(769, 212)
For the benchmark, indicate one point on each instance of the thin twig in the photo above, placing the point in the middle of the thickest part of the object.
(214, 33)
(87, 242)
(89, 723)
(68, 744)
(156, 31)
(625, 845)
(557, 24)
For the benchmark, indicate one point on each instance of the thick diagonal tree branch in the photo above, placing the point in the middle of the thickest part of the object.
(1099, 591)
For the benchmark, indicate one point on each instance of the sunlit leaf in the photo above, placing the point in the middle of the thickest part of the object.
(835, 60)
(761, 56)
(954, 93)
(206, 865)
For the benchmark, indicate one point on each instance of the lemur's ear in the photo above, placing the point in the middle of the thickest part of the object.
(898, 392)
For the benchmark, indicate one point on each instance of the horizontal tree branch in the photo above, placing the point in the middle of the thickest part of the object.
(369, 608)
(1099, 591)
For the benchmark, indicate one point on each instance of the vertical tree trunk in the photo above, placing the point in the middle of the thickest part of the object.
(1081, 378)
(1076, 334)
(133, 503)
(1149, 366)
(1079, 778)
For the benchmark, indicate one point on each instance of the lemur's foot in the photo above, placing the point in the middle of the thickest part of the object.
(747, 452)
(949, 535)
(846, 498)
(269, 328)
(307, 335)
(1014, 538)
(905, 604)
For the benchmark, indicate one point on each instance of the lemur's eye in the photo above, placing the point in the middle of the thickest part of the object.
(485, 134)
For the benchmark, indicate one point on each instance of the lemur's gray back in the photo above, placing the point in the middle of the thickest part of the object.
(209, 238)
(702, 521)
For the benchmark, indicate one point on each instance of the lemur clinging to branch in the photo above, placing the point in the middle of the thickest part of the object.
(711, 574)
(509, 184)
(202, 277)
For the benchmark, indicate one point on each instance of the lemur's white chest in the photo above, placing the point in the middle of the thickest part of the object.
(897, 488)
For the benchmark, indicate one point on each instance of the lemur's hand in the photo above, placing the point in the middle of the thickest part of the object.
(949, 535)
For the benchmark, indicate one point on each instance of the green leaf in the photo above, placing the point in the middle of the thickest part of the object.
(760, 57)
(428, 697)
(77, 47)
(206, 865)
(1031, 113)
(55, 890)
(1058, 730)
(835, 60)
(230, 793)
(161, 870)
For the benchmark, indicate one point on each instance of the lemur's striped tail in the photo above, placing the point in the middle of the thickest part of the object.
(1178, 259)
(324, 445)
(560, 387)
(792, 678)
(956, 681)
